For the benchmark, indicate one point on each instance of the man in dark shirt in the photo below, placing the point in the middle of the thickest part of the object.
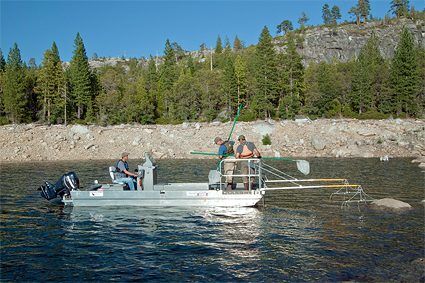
(225, 151)
(123, 175)
(246, 150)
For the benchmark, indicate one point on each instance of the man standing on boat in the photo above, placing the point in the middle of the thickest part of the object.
(225, 151)
(123, 175)
(246, 150)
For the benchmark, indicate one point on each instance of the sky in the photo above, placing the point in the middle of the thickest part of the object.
(140, 28)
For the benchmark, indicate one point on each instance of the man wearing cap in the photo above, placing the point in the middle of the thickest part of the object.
(122, 174)
(225, 151)
(246, 150)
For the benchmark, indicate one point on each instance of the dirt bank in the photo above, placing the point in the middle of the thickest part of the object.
(301, 138)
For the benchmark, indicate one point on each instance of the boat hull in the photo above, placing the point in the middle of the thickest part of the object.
(173, 196)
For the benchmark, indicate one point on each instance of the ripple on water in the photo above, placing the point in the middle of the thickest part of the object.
(299, 236)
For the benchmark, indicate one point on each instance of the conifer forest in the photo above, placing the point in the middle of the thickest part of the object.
(176, 86)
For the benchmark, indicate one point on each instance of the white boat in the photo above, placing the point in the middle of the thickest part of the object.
(209, 194)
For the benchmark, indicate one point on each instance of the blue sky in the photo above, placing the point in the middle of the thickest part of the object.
(140, 28)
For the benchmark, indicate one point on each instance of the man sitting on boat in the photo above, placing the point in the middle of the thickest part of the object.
(225, 151)
(123, 175)
(246, 150)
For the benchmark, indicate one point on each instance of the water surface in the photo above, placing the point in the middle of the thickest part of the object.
(298, 236)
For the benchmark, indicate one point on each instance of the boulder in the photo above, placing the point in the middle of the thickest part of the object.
(391, 204)
(420, 159)
(79, 129)
(318, 143)
(263, 128)
(136, 141)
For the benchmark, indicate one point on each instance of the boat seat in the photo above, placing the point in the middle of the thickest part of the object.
(112, 171)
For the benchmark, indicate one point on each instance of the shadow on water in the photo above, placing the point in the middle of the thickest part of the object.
(298, 236)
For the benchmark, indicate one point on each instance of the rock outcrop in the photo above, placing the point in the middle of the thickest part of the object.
(344, 42)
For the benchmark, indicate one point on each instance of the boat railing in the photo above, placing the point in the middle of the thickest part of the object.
(253, 175)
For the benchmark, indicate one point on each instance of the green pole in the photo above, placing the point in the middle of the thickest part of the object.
(235, 120)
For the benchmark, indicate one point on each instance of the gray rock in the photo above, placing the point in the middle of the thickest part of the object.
(318, 143)
(79, 129)
(197, 126)
(263, 128)
(136, 141)
(215, 123)
(391, 204)
(366, 133)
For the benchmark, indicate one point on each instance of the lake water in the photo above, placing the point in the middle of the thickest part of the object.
(298, 236)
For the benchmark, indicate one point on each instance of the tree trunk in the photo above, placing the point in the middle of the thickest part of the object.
(44, 107)
(48, 111)
(65, 107)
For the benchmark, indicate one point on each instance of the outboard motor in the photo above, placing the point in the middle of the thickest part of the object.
(63, 186)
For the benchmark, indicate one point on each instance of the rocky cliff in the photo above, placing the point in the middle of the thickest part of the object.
(344, 42)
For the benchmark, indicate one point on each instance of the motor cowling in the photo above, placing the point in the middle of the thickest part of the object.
(66, 183)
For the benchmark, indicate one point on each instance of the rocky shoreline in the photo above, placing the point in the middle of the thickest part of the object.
(299, 138)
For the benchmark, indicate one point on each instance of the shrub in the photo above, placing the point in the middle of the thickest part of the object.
(4, 121)
(247, 116)
(373, 115)
(266, 140)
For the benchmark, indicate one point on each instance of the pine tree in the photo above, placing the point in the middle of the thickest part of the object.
(51, 84)
(355, 11)
(291, 81)
(335, 15)
(186, 105)
(230, 86)
(237, 44)
(323, 90)
(266, 75)
(284, 27)
(326, 14)
(2, 62)
(151, 88)
(14, 90)
(80, 79)
(405, 79)
(145, 102)
(303, 20)
(3, 118)
(400, 8)
(364, 9)
(420, 51)
(366, 77)
(211, 92)
(218, 46)
(241, 80)
(168, 76)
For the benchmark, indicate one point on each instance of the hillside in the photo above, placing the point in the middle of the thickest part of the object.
(321, 43)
